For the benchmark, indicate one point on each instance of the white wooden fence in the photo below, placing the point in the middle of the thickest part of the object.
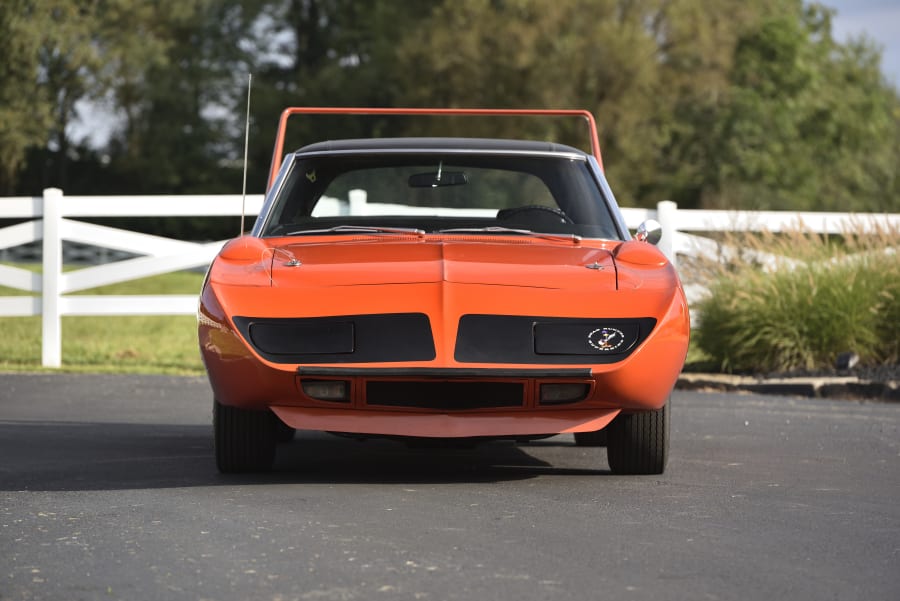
(50, 219)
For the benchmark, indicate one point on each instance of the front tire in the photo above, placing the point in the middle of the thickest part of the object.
(244, 439)
(639, 442)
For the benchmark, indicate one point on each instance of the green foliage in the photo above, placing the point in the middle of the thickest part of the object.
(174, 91)
(711, 103)
(158, 67)
(810, 124)
(829, 298)
(29, 75)
(716, 103)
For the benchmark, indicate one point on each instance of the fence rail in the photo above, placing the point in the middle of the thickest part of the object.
(50, 221)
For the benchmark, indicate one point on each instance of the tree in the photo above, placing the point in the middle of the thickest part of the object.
(597, 55)
(810, 124)
(46, 51)
(714, 103)
(326, 53)
(177, 94)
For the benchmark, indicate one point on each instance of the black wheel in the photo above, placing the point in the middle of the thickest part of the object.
(597, 438)
(638, 443)
(245, 440)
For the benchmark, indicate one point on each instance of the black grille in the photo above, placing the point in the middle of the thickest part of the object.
(544, 340)
(391, 337)
(445, 396)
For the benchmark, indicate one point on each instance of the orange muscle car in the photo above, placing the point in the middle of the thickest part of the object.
(442, 288)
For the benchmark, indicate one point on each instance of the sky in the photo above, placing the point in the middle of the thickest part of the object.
(877, 19)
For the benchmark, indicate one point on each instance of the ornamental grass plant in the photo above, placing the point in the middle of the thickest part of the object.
(794, 301)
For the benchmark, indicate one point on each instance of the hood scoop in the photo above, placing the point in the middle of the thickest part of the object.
(404, 262)
(356, 264)
(532, 266)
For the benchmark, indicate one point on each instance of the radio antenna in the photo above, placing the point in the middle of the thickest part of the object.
(246, 144)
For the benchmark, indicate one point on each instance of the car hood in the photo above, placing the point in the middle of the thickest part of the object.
(520, 263)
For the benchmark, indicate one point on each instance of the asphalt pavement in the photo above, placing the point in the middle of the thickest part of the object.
(847, 387)
(108, 490)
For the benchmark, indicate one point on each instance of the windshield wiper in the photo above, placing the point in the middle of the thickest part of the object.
(359, 229)
(494, 229)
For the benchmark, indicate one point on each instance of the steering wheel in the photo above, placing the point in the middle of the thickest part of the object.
(511, 214)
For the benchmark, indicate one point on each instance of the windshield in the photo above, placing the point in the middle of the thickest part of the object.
(431, 192)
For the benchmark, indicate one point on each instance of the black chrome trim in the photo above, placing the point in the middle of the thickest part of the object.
(441, 373)
(557, 154)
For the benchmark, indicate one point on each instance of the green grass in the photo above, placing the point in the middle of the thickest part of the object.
(112, 344)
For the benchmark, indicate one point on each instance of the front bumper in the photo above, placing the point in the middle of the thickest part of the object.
(400, 398)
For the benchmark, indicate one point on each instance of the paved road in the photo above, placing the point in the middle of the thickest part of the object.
(108, 491)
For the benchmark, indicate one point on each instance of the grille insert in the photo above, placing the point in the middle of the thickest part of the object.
(445, 396)
(389, 337)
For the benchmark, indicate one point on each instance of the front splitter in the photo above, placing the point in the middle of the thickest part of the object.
(444, 425)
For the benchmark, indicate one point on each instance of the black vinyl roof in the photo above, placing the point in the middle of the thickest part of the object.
(456, 144)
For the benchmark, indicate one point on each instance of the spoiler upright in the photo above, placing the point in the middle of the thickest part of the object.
(278, 151)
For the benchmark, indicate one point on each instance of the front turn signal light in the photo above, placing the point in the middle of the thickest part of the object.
(327, 390)
(558, 394)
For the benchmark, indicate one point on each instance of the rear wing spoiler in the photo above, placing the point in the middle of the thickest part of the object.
(278, 152)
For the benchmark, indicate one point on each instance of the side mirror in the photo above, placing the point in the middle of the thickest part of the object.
(650, 231)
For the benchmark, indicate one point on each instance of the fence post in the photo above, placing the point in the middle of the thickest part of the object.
(666, 213)
(358, 201)
(51, 323)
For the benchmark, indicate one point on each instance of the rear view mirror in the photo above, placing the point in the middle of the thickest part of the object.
(438, 179)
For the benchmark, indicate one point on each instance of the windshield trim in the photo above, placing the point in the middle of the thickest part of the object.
(412, 150)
